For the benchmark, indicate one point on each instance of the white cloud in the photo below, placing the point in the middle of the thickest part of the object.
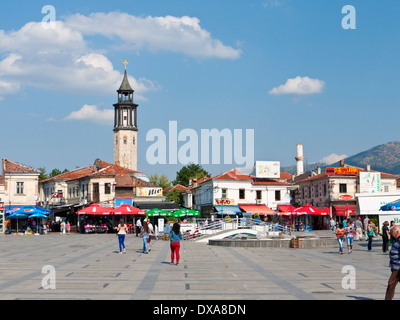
(61, 59)
(300, 86)
(7, 88)
(332, 158)
(176, 34)
(91, 113)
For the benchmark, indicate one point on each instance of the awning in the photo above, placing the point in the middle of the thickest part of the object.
(228, 210)
(341, 210)
(285, 208)
(256, 208)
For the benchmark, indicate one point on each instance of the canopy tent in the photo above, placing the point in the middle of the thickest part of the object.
(261, 209)
(285, 209)
(391, 206)
(95, 209)
(155, 212)
(17, 216)
(29, 209)
(308, 209)
(126, 209)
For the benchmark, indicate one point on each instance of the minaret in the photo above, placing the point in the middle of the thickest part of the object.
(299, 159)
(125, 126)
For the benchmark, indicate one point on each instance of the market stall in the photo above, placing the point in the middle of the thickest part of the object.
(95, 219)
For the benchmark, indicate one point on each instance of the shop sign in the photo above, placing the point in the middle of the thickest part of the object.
(346, 197)
(148, 192)
(341, 171)
(224, 202)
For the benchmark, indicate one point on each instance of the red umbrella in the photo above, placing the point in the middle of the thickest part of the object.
(125, 209)
(308, 210)
(95, 209)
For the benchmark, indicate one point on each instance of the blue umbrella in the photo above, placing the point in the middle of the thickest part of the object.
(17, 216)
(38, 216)
(391, 206)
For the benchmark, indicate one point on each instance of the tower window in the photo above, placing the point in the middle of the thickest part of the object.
(125, 141)
(134, 140)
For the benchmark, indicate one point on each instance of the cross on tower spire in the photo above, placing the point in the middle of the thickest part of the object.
(125, 63)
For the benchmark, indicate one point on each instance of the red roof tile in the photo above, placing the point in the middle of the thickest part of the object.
(11, 166)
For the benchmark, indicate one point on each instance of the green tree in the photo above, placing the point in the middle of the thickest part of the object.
(56, 172)
(175, 196)
(161, 181)
(43, 175)
(189, 172)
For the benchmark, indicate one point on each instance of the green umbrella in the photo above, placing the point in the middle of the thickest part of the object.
(186, 213)
(155, 212)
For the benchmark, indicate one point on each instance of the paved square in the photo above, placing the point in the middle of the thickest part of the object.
(89, 266)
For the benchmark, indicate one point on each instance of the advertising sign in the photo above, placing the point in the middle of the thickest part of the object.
(224, 202)
(341, 171)
(119, 202)
(148, 192)
(370, 182)
(268, 169)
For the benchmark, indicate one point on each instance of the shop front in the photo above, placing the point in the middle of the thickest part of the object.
(369, 204)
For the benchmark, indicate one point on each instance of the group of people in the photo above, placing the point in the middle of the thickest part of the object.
(146, 230)
(357, 230)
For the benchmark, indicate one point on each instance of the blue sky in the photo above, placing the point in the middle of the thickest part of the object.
(285, 68)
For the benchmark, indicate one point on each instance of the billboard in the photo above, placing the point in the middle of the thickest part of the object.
(342, 171)
(268, 169)
(370, 182)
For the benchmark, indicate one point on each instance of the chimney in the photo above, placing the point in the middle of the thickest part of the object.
(368, 168)
(342, 163)
(299, 159)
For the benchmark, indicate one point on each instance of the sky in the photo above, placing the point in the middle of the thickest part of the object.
(290, 71)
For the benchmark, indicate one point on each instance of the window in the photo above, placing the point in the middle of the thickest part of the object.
(20, 188)
(107, 188)
(241, 194)
(277, 195)
(386, 188)
(95, 188)
(342, 188)
(258, 195)
(224, 192)
(134, 141)
(324, 189)
(125, 141)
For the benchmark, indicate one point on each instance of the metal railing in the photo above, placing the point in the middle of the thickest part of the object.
(218, 226)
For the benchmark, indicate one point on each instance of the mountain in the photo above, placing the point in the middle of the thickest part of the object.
(384, 158)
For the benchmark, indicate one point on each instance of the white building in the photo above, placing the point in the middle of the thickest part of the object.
(235, 193)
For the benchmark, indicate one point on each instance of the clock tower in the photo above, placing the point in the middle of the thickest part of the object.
(125, 126)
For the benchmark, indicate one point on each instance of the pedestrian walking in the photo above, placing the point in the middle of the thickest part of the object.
(394, 255)
(370, 234)
(145, 236)
(151, 231)
(391, 239)
(138, 227)
(332, 224)
(349, 235)
(340, 233)
(175, 237)
(365, 222)
(68, 227)
(385, 237)
(121, 232)
(62, 227)
(359, 229)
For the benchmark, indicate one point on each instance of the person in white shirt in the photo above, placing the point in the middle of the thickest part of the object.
(138, 227)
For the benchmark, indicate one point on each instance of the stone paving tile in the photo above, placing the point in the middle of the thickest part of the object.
(90, 267)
